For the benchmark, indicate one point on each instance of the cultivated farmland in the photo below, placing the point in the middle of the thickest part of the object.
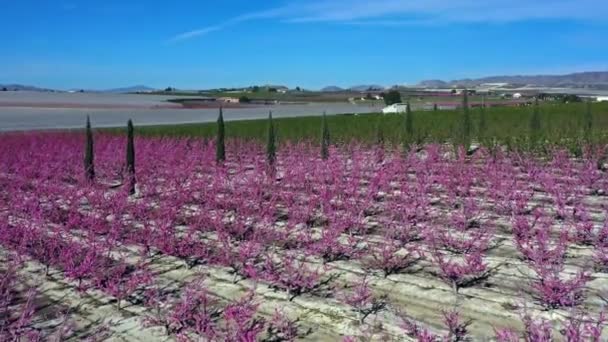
(562, 125)
(402, 239)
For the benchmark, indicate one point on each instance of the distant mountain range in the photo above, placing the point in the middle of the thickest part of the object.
(592, 80)
(363, 87)
(332, 89)
(133, 89)
(21, 87)
(597, 79)
(126, 90)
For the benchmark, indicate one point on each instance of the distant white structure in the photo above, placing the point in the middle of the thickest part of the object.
(228, 99)
(378, 97)
(602, 99)
(517, 96)
(395, 108)
(493, 85)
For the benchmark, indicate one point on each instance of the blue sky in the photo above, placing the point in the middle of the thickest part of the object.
(308, 43)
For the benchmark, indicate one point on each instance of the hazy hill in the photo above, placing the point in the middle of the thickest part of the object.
(20, 87)
(357, 88)
(330, 89)
(434, 84)
(133, 89)
(367, 87)
(578, 80)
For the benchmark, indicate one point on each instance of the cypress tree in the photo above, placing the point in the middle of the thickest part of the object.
(89, 166)
(482, 119)
(409, 121)
(535, 124)
(324, 138)
(130, 157)
(466, 121)
(379, 140)
(220, 148)
(380, 134)
(588, 122)
(409, 128)
(271, 147)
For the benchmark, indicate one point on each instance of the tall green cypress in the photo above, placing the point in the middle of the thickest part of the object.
(409, 129)
(482, 119)
(588, 122)
(466, 121)
(220, 148)
(271, 147)
(380, 140)
(130, 157)
(409, 121)
(380, 133)
(324, 138)
(89, 166)
(535, 125)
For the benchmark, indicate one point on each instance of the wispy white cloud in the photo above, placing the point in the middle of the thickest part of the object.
(410, 12)
(196, 33)
(272, 13)
(452, 11)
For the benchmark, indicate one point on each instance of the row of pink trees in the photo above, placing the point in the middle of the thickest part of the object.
(290, 226)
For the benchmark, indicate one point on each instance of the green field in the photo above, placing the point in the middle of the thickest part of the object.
(561, 124)
(307, 96)
(314, 96)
